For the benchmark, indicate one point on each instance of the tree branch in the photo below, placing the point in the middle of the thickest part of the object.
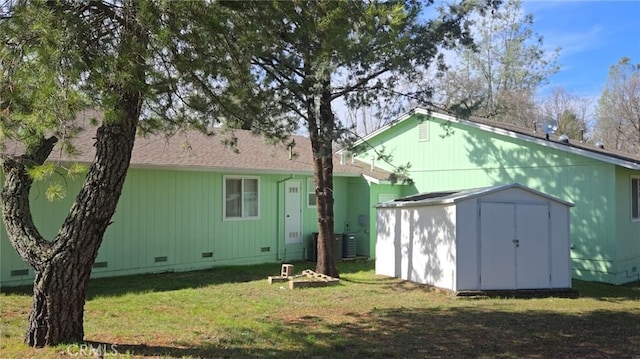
(16, 210)
(359, 83)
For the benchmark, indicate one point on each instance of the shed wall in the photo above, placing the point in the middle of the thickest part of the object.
(467, 245)
(387, 260)
(418, 244)
(430, 252)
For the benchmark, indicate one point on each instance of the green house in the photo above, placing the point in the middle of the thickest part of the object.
(447, 154)
(190, 202)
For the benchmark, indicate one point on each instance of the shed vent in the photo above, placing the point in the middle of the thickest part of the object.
(160, 259)
(207, 254)
(100, 265)
(265, 249)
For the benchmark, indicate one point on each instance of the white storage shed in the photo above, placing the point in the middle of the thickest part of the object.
(508, 237)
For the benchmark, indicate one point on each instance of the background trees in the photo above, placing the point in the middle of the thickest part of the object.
(498, 76)
(618, 111)
(572, 113)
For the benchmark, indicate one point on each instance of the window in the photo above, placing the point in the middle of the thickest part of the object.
(241, 197)
(311, 193)
(635, 192)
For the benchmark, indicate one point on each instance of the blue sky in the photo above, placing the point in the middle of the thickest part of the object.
(592, 35)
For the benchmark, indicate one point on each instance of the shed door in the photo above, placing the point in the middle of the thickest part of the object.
(497, 251)
(514, 245)
(533, 246)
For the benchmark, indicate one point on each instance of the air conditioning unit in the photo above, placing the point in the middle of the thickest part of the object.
(348, 245)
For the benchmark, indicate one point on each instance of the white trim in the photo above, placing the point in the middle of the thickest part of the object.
(370, 179)
(242, 217)
(500, 131)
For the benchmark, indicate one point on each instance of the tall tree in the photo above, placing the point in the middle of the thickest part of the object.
(498, 76)
(324, 51)
(41, 67)
(618, 111)
(57, 58)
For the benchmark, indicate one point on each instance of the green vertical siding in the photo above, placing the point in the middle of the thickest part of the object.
(470, 157)
(627, 230)
(358, 219)
(48, 217)
(178, 215)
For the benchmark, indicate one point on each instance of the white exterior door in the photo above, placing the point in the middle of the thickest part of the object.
(292, 212)
(514, 245)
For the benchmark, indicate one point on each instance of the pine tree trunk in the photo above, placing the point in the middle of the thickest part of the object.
(57, 313)
(322, 142)
(63, 265)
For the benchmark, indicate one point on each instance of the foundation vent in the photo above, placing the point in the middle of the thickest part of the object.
(19, 272)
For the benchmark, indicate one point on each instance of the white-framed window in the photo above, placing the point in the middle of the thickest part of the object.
(311, 192)
(635, 198)
(241, 197)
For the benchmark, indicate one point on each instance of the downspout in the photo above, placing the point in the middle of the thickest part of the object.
(278, 223)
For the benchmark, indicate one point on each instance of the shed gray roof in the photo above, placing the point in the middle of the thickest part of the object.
(445, 197)
(193, 150)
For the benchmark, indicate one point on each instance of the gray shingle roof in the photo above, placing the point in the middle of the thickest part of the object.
(193, 150)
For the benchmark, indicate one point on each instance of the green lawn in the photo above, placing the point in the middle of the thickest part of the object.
(234, 313)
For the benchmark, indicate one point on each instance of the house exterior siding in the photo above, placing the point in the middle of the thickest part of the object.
(458, 156)
(627, 230)
(172, 220)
